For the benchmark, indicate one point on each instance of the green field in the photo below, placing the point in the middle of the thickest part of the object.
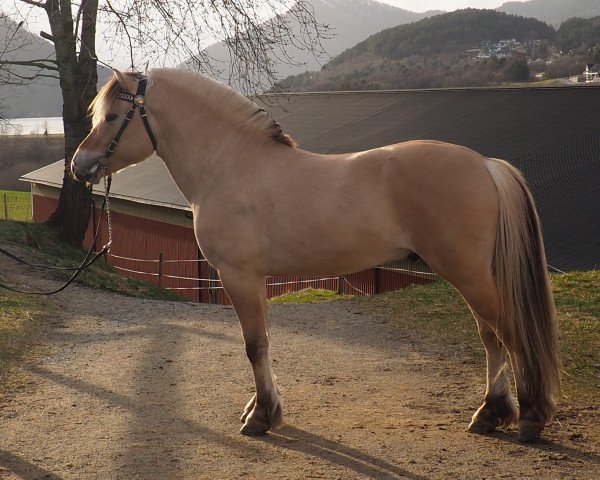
(15, 206)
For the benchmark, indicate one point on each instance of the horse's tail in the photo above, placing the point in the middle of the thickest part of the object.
(527, 319)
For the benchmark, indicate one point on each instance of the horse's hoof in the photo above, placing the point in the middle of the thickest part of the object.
(253, 431)
(529, 431)
(480, 426)
(255, 425)
(495, 412)
(485, 420)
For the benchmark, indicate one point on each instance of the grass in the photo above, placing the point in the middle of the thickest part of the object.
(42, 246)
(577, 297)
(308, 295)
(15, 205)
(438, 314)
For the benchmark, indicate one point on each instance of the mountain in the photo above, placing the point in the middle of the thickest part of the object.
(553, 12)
(38, 98)
(432, 53)
(350, 20)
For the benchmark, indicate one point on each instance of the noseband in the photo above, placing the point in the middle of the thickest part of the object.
(137, 101)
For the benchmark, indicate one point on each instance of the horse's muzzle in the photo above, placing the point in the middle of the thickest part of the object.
(88, 169)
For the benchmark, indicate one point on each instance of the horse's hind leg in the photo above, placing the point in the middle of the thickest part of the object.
(478, 288)
(498, 409)
(248, 295)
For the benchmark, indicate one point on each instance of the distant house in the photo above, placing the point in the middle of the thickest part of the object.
(551, 134)
(592, 72)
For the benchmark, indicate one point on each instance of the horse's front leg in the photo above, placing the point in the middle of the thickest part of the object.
(249, 297)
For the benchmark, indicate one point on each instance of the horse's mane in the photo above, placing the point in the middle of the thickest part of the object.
(214, 94)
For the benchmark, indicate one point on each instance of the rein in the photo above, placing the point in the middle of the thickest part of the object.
(89, 259)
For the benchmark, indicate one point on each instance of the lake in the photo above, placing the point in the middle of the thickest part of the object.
(29, 126)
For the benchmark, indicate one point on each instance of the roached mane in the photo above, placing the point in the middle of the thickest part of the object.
(211, 91)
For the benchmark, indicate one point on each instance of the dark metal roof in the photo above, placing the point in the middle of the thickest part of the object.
(551, 134)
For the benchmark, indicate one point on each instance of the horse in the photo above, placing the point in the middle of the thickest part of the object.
(263, 206)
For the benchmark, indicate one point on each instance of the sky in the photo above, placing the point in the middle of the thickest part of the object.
(37, 21)
(448, 5)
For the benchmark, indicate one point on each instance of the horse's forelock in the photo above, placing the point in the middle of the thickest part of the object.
(102, 102)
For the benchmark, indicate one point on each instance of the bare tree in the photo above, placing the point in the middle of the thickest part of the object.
(154, 33)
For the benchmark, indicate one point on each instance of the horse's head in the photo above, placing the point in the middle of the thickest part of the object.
(121, 135)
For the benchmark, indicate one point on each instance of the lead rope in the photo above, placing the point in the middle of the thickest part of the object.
(87, 262)
(107, 182)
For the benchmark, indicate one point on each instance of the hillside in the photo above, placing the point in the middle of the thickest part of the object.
(436, 52)
(579, 34)
(350, 21)
(447, 33)
(38, 98)
(553, 12)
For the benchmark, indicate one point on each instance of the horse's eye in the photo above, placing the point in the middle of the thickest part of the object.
(109, 117)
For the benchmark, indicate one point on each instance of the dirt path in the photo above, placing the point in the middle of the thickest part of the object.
(152, 390)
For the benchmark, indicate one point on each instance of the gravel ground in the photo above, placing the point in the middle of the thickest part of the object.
(131, 388)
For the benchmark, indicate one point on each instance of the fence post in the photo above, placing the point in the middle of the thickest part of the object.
(340, 288)
(160, 269)
(5, 207)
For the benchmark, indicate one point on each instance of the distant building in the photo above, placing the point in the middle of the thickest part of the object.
(592, 72)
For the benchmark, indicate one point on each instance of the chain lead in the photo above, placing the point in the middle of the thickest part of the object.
(107, 181)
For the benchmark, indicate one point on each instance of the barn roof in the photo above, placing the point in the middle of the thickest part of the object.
(148, 183)
(551, 134)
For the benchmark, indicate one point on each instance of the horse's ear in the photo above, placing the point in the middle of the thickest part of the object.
(120, 78)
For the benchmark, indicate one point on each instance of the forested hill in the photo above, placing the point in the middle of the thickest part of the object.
(447, 33)
(581, 34)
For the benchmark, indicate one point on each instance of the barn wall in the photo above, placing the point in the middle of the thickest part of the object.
(139, 242)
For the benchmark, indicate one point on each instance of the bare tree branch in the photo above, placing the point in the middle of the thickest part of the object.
(47, 36)
(121, 20)
(31, 63)
(257, 35)
(34, 3)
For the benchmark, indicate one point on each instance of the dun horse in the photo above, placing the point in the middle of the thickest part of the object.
(262, 206)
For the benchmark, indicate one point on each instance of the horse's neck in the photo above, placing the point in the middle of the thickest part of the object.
(199, 145)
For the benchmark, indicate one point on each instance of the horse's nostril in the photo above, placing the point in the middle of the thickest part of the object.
(93, 169)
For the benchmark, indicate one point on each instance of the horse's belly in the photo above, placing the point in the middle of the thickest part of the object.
(318, 256)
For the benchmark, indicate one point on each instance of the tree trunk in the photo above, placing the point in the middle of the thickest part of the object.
(78, 79)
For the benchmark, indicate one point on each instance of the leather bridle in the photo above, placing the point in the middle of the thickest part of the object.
(137, 101)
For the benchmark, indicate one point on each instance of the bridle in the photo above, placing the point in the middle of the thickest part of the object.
(137, 101)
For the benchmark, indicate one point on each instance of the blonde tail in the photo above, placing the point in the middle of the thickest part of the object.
(527, 321)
